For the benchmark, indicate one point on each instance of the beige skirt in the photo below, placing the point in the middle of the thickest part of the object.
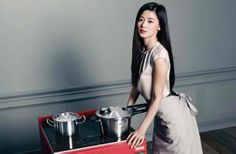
(175, 127)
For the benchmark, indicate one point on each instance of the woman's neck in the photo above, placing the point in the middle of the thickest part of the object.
(149, 43)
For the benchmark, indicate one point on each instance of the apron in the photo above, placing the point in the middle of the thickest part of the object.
(175, 127)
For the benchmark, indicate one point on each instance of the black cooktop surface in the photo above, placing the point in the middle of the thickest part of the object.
(89, 134)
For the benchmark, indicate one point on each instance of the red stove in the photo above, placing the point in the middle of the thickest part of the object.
(89, 139)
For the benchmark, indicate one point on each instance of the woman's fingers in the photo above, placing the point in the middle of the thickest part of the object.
(131, 138)
(135, 139)
(130, 135)
(140, 141)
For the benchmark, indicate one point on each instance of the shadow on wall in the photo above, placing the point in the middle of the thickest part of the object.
(67, 66)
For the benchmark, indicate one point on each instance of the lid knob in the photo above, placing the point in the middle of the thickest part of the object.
(105, 110)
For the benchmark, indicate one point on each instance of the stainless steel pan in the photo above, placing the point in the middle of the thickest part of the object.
(115, 121)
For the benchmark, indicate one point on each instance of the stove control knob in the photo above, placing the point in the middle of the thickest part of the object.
(105, 110)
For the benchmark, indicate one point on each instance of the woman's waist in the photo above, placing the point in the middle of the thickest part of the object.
(177, 101)
(165, 95)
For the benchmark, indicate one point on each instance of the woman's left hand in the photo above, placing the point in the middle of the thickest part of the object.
(135, 138)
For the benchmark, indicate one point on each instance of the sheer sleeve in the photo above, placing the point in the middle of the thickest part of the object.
(161, 53)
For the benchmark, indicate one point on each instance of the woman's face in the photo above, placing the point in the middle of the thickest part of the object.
(148, 25)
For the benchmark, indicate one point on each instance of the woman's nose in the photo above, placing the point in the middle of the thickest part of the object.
(144, 24)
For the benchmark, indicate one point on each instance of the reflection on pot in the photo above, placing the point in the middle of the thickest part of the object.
(67, 142)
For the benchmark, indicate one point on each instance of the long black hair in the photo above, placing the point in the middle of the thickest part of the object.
(163, 38)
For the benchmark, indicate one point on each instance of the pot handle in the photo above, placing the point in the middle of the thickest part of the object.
(50, 122)
(100, 124)
(138, 108)
(98, 120)
(83, 119)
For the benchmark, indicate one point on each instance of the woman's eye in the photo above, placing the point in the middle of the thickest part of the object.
(150, 21)
(140, 19)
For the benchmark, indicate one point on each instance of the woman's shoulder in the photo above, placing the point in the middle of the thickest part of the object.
(159, 51)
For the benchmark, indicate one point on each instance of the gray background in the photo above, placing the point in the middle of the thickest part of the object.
(59, 55)
(60, 44)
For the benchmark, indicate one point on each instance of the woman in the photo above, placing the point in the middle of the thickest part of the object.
(153, 76)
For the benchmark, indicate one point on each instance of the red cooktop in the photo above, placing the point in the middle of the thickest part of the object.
(89, 139)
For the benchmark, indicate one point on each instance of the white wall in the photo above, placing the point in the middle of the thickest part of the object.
(75, 55)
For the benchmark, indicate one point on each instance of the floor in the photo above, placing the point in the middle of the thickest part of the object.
(222, 141)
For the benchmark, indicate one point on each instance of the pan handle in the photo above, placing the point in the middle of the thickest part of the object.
(138, 108)
(50, 122)
(98, 120)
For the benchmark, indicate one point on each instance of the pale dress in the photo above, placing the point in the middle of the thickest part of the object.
(175, 126)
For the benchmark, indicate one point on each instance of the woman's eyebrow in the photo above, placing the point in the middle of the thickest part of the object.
(150, 18)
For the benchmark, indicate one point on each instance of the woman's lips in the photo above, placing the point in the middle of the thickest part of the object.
(142, 31)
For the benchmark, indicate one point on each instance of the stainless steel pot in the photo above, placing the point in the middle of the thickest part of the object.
(66, 123)
(115, 121)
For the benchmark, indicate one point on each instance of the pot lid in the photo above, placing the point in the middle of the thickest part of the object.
(113, 112)
(65, 116)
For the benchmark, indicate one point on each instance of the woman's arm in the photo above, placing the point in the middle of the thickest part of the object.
(133, 96)
(160, 71)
